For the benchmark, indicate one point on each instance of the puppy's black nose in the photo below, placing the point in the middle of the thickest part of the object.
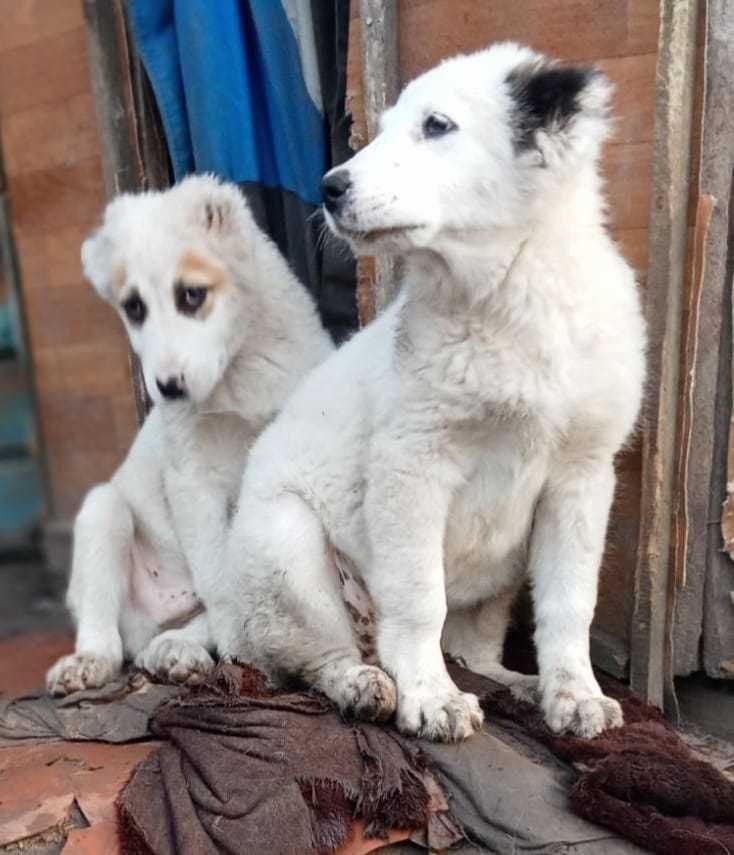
(173, 388)
(334, 186)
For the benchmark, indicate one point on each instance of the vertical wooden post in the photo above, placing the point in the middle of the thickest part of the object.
(381, 81)
(134, 155)
(650, 637)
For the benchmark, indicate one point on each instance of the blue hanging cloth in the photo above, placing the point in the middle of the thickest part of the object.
(231, 86)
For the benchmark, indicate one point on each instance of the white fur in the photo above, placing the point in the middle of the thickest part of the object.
(465, 439)
(146, 544)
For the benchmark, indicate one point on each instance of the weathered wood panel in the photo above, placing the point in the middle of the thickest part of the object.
(55, 185)
(585, 30)
(654, 584)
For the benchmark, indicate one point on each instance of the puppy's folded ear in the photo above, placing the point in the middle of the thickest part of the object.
(97, 261)
(552, 101)
(215, 207)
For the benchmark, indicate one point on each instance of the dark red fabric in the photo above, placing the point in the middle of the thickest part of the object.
(640, 780)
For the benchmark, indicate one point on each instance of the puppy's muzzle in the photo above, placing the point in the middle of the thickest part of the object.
(172, 388)
(334, 187)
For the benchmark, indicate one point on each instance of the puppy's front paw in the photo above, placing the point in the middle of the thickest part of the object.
(79, 671)
(571, 705)
(175, 660)
(447, 715)
(368, 694)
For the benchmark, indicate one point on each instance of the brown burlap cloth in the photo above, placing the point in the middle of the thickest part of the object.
(245, 771)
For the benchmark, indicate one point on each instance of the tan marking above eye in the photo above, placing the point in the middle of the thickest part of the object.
(198, 271)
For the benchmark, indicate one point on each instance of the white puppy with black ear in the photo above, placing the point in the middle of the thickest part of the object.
(224, 332)
(466, 439)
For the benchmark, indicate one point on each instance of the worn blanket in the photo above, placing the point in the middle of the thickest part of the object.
(246, 771)
(243, 770)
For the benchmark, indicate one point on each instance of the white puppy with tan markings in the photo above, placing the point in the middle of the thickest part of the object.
(224, 332)
(466, 439)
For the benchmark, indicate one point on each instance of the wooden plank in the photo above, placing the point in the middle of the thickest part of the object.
(85, 366)
(30, 21)
(633, 102)
(51, 259)
(634, 246)
(570, 29)
(133, 148)
(689, 554)
(44, 72)
(73, 472)
(627, 169)
(56, 188)
(717, 168)
(47, 199)
(73, 315)
(651, 653)
(109, 55)
(79, 422)
(50, 135)
(381, 85)
(691, 351)
(616, 581)
(380, 58)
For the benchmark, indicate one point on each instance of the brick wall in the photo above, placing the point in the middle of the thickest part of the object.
(54, 173)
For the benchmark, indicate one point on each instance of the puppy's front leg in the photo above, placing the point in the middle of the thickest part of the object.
(103, 536)
(566, 550)
(180, 655)
(406, 509)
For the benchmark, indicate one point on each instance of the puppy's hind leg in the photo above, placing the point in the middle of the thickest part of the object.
(103, 536)
(289, 617)
(476, 636)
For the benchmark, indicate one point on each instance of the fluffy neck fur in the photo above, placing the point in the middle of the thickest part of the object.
(468, 270)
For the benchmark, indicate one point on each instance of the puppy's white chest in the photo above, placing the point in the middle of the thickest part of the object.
(490, 519)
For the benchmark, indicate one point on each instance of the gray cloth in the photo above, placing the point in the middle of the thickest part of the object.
(511, 799)
(119, 712)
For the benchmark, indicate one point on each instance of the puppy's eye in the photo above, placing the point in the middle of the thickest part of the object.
(190, 298)
(135, 309)
(437, 125)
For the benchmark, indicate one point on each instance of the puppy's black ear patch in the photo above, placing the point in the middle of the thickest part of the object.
(545, 97)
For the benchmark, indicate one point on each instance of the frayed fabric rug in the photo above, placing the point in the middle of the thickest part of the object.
(641, 780)
(242, 770)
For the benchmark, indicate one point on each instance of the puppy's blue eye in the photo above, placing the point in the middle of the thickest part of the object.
(190, 298)
(437, 125)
